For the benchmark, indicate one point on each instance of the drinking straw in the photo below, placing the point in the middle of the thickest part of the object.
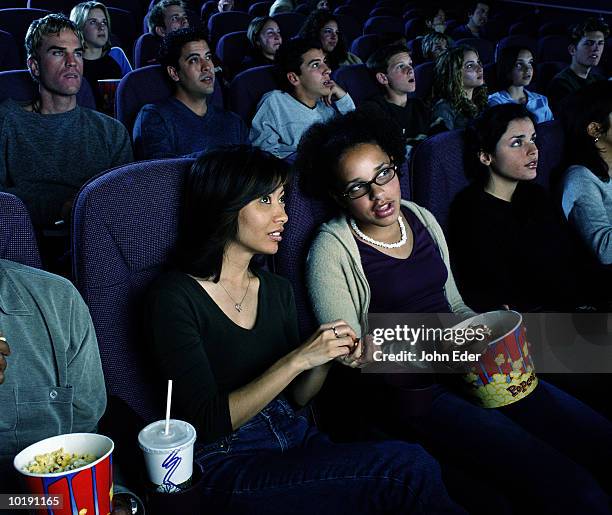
(168, 403)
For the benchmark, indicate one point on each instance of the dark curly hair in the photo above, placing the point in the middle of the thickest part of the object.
(311, 31)
(324, 144)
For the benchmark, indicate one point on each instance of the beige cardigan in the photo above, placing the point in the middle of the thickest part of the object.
(337, 284)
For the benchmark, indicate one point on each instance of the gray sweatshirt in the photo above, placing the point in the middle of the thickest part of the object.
(281, 120)
(587, 204)
(46, 158)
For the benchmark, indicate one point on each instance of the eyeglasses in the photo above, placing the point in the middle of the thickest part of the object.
(360, 189)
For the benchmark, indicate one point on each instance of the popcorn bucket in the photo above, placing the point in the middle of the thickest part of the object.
(505, 372)
(87, 490)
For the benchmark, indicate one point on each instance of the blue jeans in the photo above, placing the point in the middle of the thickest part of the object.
(541, 451)
(277, 464)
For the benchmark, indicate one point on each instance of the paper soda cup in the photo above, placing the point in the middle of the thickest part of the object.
(168, 457)
(505, 372)
(87, 489)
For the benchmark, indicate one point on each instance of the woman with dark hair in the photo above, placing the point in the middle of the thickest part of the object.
(265, 37)
(226, 333)
(514, 74)
(587, 189)
(459, 88)
(322, 26)
(503, 226)
(382, 254)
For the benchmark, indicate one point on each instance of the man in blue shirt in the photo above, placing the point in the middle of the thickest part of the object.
(186, 124)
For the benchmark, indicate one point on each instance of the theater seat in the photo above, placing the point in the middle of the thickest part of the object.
(383, 25)
(289, 23)
(9, 53)
(18, 85)
(231, 49)
(16, 22)
(357, 80)
(248, 87)
(118, 251)
(145, 50)
(364, 46)
(224, 23)
(485, 48)
(17, 237)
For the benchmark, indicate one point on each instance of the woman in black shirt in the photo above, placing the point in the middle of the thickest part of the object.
(226, 333)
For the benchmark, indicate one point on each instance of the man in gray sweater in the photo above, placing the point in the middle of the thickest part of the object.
(51, 147)
(311, 96)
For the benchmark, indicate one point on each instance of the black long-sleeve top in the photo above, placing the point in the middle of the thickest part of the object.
(206, 354)
(511, 253)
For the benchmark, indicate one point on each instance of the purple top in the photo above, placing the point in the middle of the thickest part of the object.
(411, 285)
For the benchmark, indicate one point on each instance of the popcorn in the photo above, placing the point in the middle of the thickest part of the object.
(58, 461)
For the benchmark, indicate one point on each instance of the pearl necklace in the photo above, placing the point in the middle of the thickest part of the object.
(382, 244)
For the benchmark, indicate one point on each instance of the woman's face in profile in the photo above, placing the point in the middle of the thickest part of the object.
(379, 207)
(516, 155)
(473, 74)
(261, 223)
(329, 36)
(522, 72)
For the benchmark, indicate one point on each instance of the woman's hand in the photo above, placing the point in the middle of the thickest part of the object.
(330, 341)
(361, 355)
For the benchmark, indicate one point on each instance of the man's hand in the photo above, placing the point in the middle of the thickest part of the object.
(4, 351)
(335, 93)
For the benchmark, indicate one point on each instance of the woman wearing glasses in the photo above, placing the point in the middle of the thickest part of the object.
(100, 59)
(322, 26)
(459, 88)
(265, 37)
(383, 254)
(226, 332)
(514, 74)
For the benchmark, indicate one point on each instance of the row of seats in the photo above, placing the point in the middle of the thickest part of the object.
(118, 251)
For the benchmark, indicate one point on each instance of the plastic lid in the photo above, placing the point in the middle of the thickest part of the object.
(153, 439)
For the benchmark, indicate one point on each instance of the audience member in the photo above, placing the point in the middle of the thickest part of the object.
(586, 48)
(52, 146)
(382, 254)
(587, 188)
(100, 59)
(265, 37)
(186, 124)
(314, 5)
(391, 67)
(311, 96)
(53, 383)
(434, 44)
(514, 74)
(168, 16)
(322, 26)
(478, 16)
(459, 87)
(226, 332)
(435, 18)
(225, 5)
(282, 6)
(507, 245)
